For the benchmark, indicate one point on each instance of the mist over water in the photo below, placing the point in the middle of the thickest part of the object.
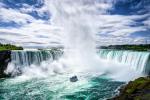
(78, 32)
(78, 23)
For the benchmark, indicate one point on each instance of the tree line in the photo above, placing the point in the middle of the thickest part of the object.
(140, 47)
(10, 47)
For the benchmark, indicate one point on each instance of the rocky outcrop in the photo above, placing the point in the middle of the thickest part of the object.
(5, 58)
(138, 89)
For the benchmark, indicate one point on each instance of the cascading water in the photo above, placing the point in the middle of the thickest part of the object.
(25, 59)
(137, 60)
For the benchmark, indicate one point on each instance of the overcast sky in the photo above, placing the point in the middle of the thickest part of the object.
(27, 22)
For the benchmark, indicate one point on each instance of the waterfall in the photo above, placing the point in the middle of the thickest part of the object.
(26, 58)
(46, 61)
(137, 60)
(21, 59)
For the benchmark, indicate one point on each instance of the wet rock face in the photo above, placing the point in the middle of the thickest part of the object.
(5, 58)
(73, 79)
(138, 89)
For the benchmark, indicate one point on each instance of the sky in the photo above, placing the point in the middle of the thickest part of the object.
(27, 23)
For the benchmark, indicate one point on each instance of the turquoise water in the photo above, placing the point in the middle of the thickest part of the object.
(40, 82)
(58, 87)
(43, 82)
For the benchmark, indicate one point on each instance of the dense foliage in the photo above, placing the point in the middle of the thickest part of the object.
(9, 47)
(141, 47)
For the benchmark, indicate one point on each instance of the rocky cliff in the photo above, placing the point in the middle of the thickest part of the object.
(5, 58)
(138, 89)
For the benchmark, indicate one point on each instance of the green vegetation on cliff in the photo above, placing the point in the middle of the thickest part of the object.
(141, 47)
(9, 47)
(138, 89)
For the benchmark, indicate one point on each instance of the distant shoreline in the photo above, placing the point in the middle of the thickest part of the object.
(140, 47)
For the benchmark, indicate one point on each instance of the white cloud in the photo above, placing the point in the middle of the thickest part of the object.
(118, 28)
(35, 33)
(29, 9)
(2, 5)
(8, 15)
(120, 25)
(147, 22)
